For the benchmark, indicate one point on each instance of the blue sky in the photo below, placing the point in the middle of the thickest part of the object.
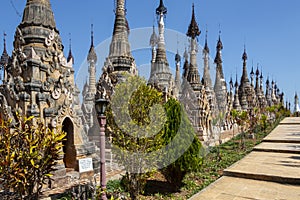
(269, 28)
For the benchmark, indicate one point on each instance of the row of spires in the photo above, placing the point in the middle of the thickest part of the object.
(120, 46)
(162, 78)
(245, 89)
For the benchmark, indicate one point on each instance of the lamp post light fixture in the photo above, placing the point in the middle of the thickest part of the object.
(100, 105)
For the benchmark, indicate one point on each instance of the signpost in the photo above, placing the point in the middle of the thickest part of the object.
(85, 165)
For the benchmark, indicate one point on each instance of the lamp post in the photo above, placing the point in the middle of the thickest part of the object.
(100, 105)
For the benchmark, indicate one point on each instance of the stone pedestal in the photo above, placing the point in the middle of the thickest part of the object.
(59, 176)
(89, 150)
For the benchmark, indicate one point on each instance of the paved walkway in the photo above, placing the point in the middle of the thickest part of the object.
(271, 171)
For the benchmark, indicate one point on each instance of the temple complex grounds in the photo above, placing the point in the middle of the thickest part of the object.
(215, 160)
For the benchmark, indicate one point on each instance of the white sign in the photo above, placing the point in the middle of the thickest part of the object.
(85, 165)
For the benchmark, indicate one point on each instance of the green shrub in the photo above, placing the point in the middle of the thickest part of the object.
(28, 154)
(191, 159)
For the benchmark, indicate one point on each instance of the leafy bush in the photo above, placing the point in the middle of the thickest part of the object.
(28, 154)
(135, 119)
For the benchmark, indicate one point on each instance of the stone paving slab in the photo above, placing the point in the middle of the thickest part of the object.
(277, 167)
(291, 120)
(233, 188)
(278, 147)
(286, 128)
(284, 134)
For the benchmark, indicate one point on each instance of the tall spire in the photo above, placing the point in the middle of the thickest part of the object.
(245, 56)
(70, 55)
(267, 86)
(206, 49)
(220, 83)
(153, 38)
(120, 58)
(92, 59)
(261, 99)
(246, 90)
(92, 35)
(257, 83)
(161, 9)
(218, 58)
(252, 75)
(206, 72)
(4, 60)
(121, 23)
(38, 12)
(296, 103)
(153, 43)
(92, 56)
(236, 102)
(193, 30)
(269, 93)
(161, 12)
(37, 22)
(161, 76)
(245, 79)
(5, 56)
(231, 84)
(261, 80)
(177, 75)
(236, 85)
(186, 64)
(273, 93)
(120, 45)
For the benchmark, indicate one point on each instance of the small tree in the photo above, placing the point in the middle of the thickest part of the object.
(263, 121)
(148, 135)
(254, 121)
(135, 120)
(191, 159)
(242, 119)
(28, 154)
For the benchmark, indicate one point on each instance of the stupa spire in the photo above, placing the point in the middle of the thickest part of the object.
(153, 43)
(206, 72)
(220, 83)
(236, 102)
(177, 75)
(37, 30)
(193, 30)
(245, 74)
(206, 49)
(5, 56)
(161, 9)
(160, 75)
(120, 58)
(161, 12)
(121, 23)
(38, 13)
(257, 83)
(92, 56)
(218, 58)
(92, 59)
(70, 55)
